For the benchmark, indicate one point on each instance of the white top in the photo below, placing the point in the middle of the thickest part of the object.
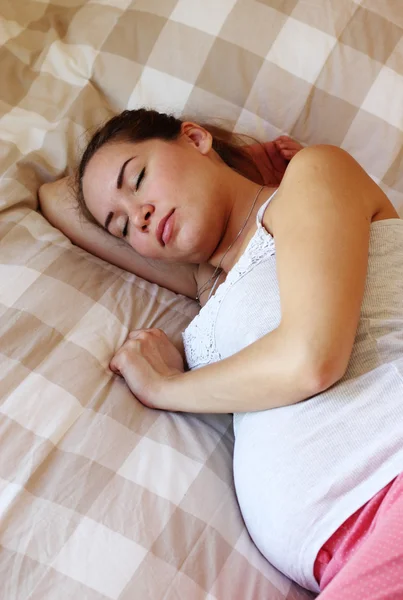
(301, 470)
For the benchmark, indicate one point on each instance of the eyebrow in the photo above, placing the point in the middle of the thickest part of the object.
(119, 183)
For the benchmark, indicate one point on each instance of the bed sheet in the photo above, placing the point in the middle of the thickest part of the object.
(99, 496)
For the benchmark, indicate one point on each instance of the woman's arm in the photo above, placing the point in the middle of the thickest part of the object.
(58, 206)
(320, 219)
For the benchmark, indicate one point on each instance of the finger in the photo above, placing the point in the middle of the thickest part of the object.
(295, 146)
(144, 334)
(288, 144)
(288, 154)
(158, 332)
(284, 139)
(273, 154)
(139, 334)
(281, 145)
(114, 366)
(134, 334)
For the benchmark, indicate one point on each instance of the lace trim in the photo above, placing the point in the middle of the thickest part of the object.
(199, 336)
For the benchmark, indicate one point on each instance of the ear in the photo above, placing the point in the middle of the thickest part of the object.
(196, 135)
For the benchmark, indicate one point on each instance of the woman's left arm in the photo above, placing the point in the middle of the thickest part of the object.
(320, 220)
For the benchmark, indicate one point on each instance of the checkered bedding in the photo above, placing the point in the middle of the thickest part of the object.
(101, 497)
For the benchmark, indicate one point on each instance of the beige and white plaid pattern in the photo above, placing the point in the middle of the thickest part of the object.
(101, 498)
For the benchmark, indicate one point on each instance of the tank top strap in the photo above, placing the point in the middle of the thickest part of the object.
(261, 211)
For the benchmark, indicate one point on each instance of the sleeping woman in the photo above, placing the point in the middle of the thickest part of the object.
(298, 268)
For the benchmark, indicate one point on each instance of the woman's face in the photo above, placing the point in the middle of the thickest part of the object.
(162, 198)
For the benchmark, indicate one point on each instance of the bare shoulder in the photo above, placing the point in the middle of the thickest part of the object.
(332, 174)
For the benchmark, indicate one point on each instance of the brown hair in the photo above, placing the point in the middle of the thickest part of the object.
(144, 124)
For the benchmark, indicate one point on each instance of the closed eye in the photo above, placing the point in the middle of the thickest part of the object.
(138, 183)
(140, 178)
(125, 229)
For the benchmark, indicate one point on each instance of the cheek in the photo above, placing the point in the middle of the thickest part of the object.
(163, 190)
(144, 245)
(171, 176)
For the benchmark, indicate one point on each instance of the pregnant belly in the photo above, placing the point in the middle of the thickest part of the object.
(265, 475)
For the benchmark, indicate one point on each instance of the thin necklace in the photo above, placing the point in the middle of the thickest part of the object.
(218, 269)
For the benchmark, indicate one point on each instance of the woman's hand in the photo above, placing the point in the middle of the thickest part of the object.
(147, 361)
(272, 158)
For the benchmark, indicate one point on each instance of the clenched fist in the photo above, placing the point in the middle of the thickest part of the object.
(148, 361)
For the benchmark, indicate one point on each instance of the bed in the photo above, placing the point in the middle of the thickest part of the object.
(100, 497)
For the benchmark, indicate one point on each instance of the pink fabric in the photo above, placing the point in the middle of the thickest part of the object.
(364, 558)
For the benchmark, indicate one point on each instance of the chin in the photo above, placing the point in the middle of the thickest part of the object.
(196, 247)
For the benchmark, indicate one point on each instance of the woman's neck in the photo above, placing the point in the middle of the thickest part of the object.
(246, 197)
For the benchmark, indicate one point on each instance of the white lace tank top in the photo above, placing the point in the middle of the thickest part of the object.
(300, 471)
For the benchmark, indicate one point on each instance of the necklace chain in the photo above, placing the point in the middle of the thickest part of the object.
(218, 269)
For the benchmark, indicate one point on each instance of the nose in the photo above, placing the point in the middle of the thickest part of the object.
(141, 215)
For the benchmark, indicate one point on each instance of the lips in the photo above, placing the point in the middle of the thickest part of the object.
(164, 229)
